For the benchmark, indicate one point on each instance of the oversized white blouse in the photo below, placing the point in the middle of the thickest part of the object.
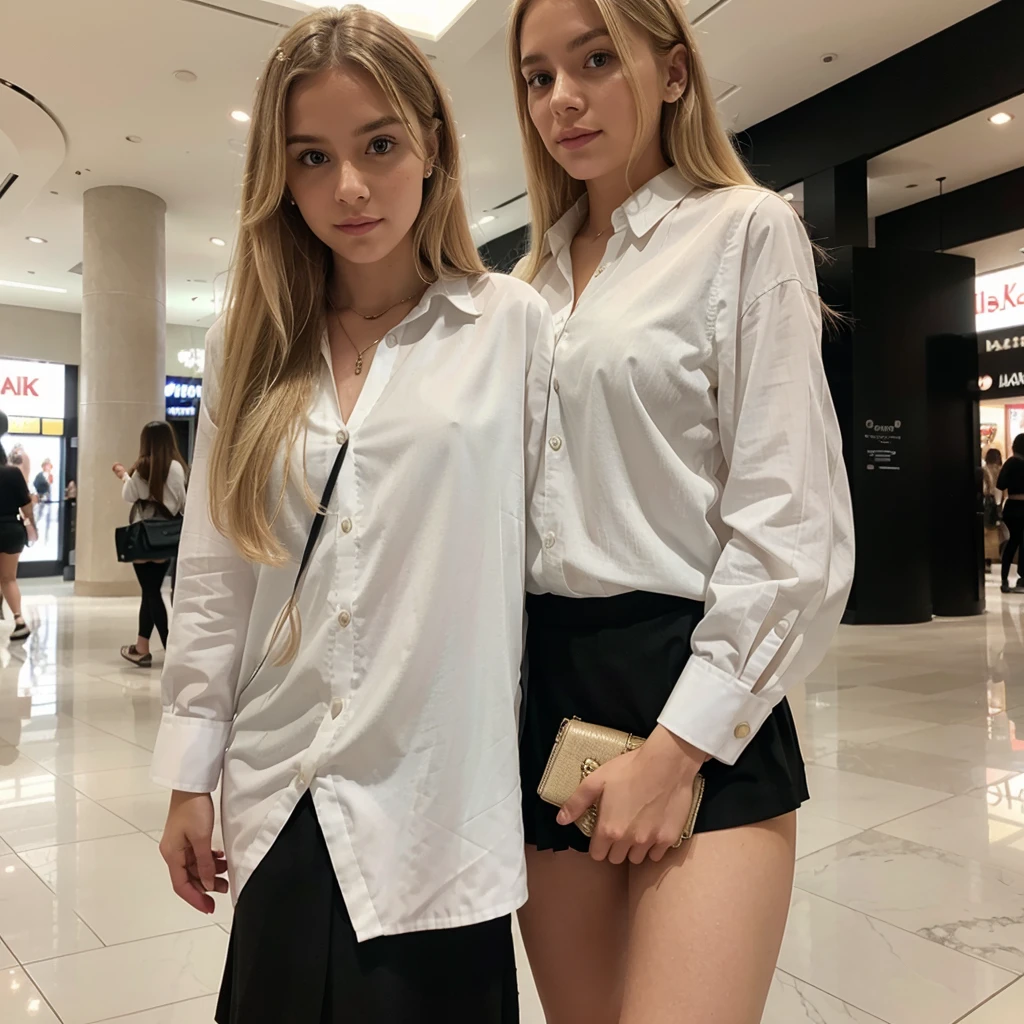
(399, 711)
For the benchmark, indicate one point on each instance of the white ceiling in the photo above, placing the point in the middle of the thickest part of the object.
(966, 152)
(105, 70)
(995, 253)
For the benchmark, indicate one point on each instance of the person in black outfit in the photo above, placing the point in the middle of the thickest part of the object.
(1011, 480)
(17, 528)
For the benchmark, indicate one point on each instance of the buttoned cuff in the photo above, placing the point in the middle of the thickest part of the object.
(714, 711)
(189, 753)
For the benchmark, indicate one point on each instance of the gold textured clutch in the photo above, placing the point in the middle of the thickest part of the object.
(580, 749)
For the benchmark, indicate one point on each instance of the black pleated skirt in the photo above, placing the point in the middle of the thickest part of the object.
(294, 958)
(614, 661)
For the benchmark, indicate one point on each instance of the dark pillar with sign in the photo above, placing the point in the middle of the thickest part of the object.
(836, 204)
(903, 373)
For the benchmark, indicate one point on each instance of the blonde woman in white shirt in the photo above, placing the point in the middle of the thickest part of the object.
(370, 808)
(689, 535)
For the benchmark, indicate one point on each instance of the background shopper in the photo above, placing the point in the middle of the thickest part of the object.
(17, 528)
(993, 500)
(155, 488)
(1011, 480)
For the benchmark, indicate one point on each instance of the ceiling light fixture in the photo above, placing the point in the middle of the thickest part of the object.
(240, 115)
(36, 239)
(185, 76)
(486, 220)
(133, 138)
(829, 58)
(218, 241)
(33, 287)
(789, 197)
(1001, 118)
(913, 184)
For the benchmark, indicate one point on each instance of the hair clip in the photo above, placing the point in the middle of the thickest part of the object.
(281, 55)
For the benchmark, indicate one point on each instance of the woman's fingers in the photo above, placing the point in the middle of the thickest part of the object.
(185, 884)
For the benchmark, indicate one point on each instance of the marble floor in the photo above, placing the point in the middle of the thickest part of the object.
(909, 899)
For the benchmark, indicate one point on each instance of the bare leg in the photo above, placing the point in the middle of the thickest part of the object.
(574, 928)
(707, 924)
(9, 584)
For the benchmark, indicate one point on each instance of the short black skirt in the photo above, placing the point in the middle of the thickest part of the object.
(614, 661)
(294, 958)
(13, 536)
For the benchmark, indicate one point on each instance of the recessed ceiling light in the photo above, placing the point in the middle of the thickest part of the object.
(32, 287)
(239, 115)
(829, 58)
(486, 220)
(913, 184)
(185, 76)
(1001, 118)
(133, 138)
(218, 241)
(789, 197)
(36, 239)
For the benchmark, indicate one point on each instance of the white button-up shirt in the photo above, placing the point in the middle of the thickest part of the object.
(399, 710)
(692, 445)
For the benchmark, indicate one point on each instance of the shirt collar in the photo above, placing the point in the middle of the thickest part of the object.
(642, 212)
(455, 290)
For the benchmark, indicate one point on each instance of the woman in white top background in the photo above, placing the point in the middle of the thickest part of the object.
(155, 488)
(690, 536)
(369, 766)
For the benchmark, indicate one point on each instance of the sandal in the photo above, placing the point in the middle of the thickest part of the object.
(130, 653)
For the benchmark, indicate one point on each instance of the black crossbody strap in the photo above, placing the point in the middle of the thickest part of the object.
(315, 530)
(318, 519)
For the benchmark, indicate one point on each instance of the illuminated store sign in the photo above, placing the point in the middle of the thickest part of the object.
(182, 396)
(999, 299)
(32, 390)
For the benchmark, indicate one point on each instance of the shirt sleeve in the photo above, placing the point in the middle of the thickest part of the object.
(779, 589)
(130, 489)
(212, 604)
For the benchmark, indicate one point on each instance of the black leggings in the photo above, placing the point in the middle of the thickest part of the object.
(1013, 516)
(152, 611)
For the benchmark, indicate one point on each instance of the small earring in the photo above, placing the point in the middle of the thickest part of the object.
(430, 171)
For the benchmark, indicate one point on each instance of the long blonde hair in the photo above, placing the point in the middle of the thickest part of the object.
(276, 314)
(692, 136)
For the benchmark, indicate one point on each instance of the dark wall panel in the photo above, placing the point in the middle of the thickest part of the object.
(965, 69)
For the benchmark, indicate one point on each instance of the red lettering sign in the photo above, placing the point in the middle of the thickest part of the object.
(20, 386)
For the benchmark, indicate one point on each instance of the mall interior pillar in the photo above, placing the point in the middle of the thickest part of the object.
(903, 370)
(123, 367)
(836, 204)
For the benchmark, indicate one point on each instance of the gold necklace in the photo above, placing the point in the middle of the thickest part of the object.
(374, 316)
(359, 355)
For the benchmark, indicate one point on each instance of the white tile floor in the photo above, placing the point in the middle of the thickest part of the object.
(909, 900)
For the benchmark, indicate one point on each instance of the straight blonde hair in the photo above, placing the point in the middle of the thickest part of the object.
(693, 138)
(276, 314)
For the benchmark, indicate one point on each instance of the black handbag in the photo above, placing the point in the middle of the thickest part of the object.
(149, 540)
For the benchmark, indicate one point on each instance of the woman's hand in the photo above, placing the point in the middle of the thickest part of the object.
(31, 533)
(119, 471)
(195, 869)
(644, 799)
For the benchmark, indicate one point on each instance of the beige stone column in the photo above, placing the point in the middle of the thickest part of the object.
(123, 368)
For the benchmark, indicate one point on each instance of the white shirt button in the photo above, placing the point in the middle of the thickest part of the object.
(341, 436)
(344, 620)
(346, 526)
(599, 271)
(556, 386)
(337, 706)
(391, 341)
(300, 779)
(783, 628)
(556, 443)
(549, 540)
(742, 731)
